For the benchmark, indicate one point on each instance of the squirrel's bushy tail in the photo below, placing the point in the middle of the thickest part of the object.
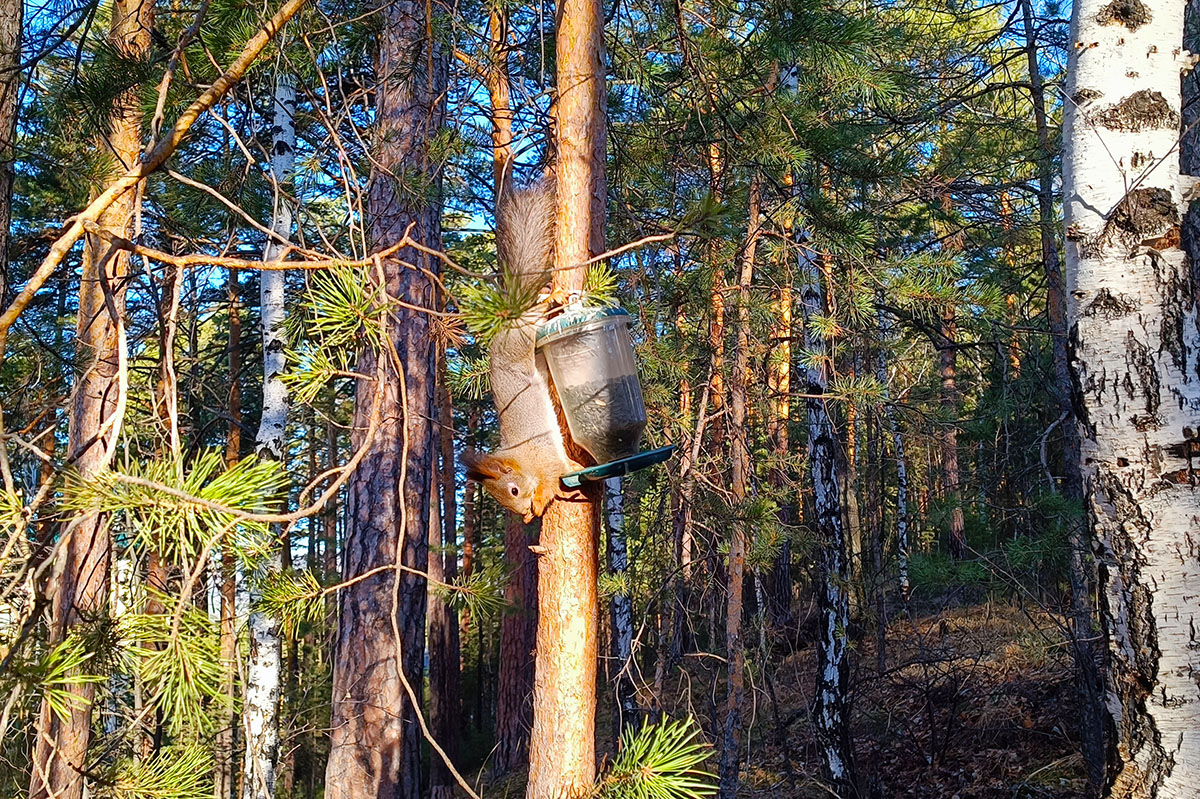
(525, 233)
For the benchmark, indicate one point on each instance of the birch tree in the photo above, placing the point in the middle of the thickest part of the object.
(260, 714)
(1131, 312)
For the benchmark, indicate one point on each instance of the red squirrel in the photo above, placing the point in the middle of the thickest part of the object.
(523, 474)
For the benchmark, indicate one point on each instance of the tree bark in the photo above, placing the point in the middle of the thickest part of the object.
(947, 371)
(833, 663)
(1132, 316)
(889, 419)
(264, 668)
(518, 638)
(375, 746)
(624, 690)
(1079, 570)
(11, 20)
(224, 739)
(79, 581)
(779, 386)
(562, 747)
(731, 732)
(444, 711)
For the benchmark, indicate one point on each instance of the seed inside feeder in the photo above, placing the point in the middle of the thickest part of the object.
(590, 356)
(606, 417)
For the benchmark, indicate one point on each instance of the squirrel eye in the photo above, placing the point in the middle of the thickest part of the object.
(514, 490)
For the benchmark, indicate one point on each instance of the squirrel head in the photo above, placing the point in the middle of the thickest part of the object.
(525, 494)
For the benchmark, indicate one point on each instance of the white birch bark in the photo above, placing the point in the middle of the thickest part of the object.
(622, 604)
(832, 656)
(1133, 328)
(260, 715)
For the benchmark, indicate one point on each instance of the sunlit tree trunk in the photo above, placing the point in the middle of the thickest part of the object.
(731, 733)
(779, 387)
(260, 704)
(562, 747)
(223, 765)
(80, 575)
(1131, 313)
(11, 14)
(375, 746)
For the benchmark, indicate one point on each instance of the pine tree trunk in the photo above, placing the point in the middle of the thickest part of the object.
(833, 663)
(11, 14)
(223, 761)
(1079, 570)
(779, 386)
(518, 637)
(562, 747)
(947, 370)
(731, 733)
(79, 581)
(375, 747)
(1131, 311)
(624, 691)
(444, 712)
(889, 419)
(264, 668)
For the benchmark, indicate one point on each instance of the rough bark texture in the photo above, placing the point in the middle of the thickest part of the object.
(624, 690)
(833, 665)
(11, 13)
(518, 637)
(731, 733)
(948, 372)
(779, 386)
(79, 581)
(264, 667)
(223, 743)
(1079, 568)
(889, 419)
(444, 711)
(562, 747)
(375, 746)
(1131, 310)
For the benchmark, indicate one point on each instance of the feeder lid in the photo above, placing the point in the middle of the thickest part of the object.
(574, 316)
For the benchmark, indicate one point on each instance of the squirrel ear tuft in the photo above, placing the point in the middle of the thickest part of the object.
(481, 466)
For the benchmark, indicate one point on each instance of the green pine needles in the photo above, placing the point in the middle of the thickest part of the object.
(659, 762)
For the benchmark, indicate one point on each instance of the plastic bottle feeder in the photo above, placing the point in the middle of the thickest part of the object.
(590, 357)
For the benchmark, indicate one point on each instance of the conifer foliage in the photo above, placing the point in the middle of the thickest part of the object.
(915, 538)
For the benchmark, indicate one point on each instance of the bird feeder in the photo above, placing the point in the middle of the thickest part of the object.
(590, 357)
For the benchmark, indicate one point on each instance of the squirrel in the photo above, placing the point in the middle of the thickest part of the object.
(523, 474)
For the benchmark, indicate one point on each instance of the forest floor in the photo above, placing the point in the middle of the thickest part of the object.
(974, 702)
(971, 702)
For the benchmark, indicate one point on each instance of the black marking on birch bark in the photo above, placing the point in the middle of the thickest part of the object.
(1078, 404)
(1134, 656)
(1142, 110)
(281, 147)
(1130, 13)
(1144, 213)
(1109, 306)
(1141, 365)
